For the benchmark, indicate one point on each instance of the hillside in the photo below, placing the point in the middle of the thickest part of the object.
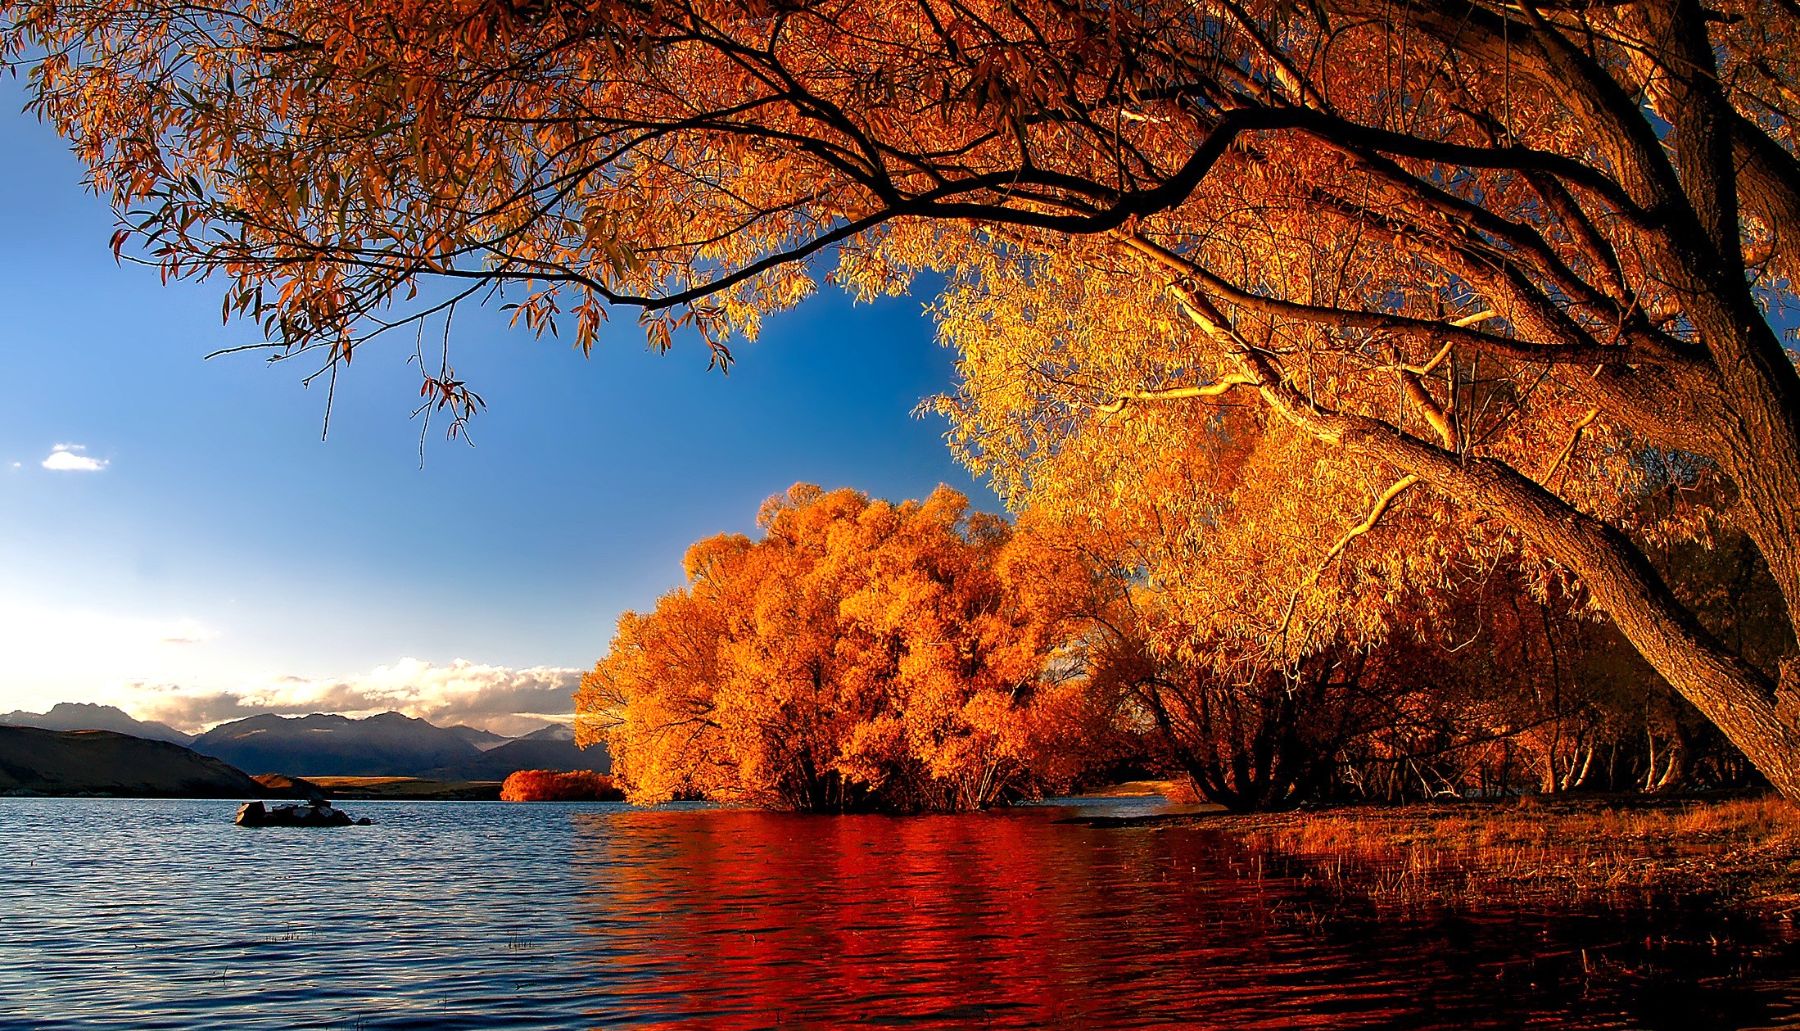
(482, 739)
(386, 745)
(391, 745)
(83, 716)
(410, 789)
(100, 762)
(552, 748)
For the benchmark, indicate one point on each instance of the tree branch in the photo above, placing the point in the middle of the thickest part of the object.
(1175, 393)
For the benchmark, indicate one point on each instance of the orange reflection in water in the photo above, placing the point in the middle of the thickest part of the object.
(737, 919)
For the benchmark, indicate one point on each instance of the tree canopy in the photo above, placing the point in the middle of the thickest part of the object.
(1510, 256)
(860, 654)
(559, 786)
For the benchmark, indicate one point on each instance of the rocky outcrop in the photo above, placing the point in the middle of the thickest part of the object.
(317, 813)
(99, 762)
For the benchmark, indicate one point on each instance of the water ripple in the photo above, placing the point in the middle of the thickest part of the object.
(160, 914)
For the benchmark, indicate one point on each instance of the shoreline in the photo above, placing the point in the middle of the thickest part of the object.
(404, 789)
(1740, 855)
(1737, 855)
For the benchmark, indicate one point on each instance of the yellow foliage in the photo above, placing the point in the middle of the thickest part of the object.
(859, 654)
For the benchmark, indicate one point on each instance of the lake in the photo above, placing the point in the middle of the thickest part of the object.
(161, 914)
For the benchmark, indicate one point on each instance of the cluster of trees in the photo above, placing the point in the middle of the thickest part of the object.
(859, 654)
(559, 786)
(865, 655)
(1505, 693)
(1316, 317)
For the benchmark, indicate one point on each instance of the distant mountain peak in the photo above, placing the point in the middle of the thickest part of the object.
(482, 739)
(390, 744)
(553, 732)
(85, 707)
(66, 716)
(327, 744)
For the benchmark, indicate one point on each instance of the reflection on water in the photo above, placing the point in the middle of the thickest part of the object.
(161, 914)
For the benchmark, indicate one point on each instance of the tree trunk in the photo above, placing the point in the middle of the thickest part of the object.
(1741, 700)
(1754, 429)
(1737, 697)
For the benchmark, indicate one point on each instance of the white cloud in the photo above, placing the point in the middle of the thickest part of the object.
(498, 698)
(186, 672)
(69, 458)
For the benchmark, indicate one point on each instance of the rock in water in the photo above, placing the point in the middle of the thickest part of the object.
(313, 814)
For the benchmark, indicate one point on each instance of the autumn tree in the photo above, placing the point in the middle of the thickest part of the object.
(858, 655)
(1213, 624)
(1510, 687)
(1271, 657)
(1500, 687)
(1255, 739)
(559, 786)
(1480, 252)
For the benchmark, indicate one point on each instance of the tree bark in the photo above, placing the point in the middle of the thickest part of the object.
(1743, 701)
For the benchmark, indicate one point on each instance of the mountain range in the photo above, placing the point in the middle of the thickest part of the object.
(100, 762)
(552, 748)
(482, 739)
(82, 716)
(385, 745)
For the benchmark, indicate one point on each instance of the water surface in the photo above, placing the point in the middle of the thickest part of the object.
(161, 914)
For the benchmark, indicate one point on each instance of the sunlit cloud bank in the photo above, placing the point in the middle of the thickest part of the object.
(181, 670)
(496, 698)
(71, 458)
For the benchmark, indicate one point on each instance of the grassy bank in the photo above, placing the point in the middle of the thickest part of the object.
(1740, 854)
(409, 788)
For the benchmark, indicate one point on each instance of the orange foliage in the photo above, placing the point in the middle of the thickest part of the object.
(559, 786)
(1480, 256)
(860, 654)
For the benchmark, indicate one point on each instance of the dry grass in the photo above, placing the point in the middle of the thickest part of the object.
(1743, 853)
(409, 788)
(1177, 791)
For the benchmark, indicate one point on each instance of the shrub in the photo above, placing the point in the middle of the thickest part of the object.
(554, 786)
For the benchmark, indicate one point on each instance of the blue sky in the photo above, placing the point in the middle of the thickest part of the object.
(224, 551)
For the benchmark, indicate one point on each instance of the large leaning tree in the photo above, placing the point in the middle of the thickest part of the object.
(1466, 244)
